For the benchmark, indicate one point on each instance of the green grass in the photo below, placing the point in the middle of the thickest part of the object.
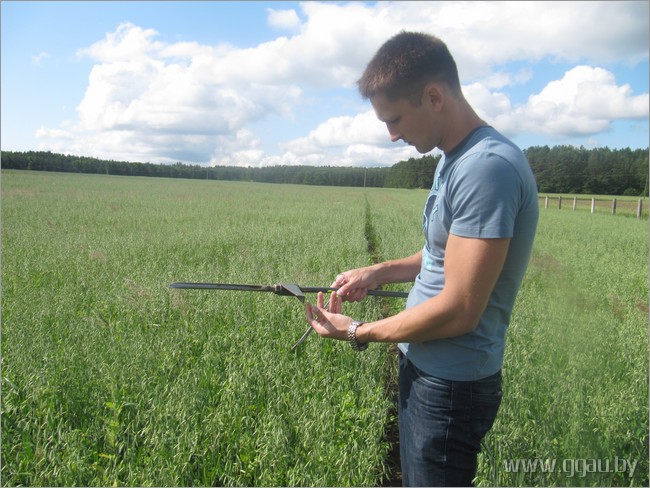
(109, 377)
(576, 366)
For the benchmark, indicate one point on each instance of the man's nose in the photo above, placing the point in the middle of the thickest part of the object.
(394, 135)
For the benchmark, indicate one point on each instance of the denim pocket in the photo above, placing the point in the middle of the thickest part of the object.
(431, 381)
(488, 390)
(486, 400)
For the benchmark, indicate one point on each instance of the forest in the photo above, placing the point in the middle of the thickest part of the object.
(558, 169)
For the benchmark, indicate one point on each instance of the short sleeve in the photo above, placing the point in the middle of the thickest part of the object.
(484, 197)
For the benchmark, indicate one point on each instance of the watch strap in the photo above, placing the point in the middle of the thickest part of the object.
(352, 336)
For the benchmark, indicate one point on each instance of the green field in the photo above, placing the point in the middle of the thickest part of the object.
(111, 378)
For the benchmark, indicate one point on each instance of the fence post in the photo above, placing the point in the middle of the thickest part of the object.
(575, 202)
(614, 206)
(559, 202)
(546, 202)
(593, 204)
(639, 209)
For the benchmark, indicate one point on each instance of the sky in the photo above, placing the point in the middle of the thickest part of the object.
(274, 83)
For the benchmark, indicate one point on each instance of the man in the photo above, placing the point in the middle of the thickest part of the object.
(479, 224)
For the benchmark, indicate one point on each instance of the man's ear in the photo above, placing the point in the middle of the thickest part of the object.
(434, 96)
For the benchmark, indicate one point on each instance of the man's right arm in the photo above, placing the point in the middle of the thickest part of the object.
(353, 285)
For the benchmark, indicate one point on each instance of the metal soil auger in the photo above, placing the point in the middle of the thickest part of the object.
(283, 289)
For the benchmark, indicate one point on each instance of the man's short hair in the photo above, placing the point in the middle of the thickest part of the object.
(405, 64)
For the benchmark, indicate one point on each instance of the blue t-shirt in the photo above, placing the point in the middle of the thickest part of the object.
(484, 188)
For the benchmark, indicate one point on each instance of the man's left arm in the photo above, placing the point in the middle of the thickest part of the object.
(472, 267)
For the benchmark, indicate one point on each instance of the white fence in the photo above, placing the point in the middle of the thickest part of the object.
(626, 206)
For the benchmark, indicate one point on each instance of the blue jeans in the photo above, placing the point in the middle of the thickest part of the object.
(441, 425)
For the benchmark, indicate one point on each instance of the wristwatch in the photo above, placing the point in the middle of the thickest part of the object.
(352, 336)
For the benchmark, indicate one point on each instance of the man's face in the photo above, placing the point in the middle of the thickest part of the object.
(415, 125)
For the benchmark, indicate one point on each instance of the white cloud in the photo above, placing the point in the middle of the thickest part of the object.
(486, 34)
(342, 131)
(239, 149)
(129, 43)
(283, 19)
(350, 141)
(487, 104)
(502, 79)
(54, 133)
(38, 59)
(179, 96)
(340, 141)
(163, 101)
(585, 101)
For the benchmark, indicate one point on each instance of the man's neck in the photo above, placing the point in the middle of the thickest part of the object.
(462, 121)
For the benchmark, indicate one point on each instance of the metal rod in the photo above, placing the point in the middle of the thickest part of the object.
(286, 289)
(377, 293)
(302, 339)
(277, 288)
(307, 331)
(221, 286)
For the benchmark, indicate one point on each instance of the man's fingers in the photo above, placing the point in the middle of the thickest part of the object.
(358, 294)
(315, 317)
(334, 301)
(318, 312)
(348, 290)
(310, 314)
(354, 295)
(328, 323)
(339, 281)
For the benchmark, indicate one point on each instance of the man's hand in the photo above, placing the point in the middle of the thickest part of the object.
(353, 285)
(328, 321)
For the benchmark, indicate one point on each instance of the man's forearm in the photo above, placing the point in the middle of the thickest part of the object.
(398, 270)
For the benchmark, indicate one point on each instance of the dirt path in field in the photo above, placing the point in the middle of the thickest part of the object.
(391, 434)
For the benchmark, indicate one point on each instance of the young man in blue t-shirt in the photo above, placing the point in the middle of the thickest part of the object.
(479, 224)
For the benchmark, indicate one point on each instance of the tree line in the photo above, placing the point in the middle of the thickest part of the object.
(602, 171)
(560, 169)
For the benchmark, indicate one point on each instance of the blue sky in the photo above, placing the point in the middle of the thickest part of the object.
(263, 83)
